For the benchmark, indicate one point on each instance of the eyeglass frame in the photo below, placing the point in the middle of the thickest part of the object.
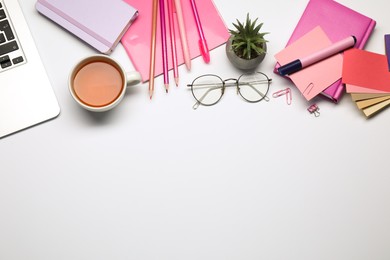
(224, 85)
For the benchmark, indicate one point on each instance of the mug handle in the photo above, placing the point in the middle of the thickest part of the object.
(133, 78)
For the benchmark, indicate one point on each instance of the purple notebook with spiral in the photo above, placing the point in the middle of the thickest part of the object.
(338, 22)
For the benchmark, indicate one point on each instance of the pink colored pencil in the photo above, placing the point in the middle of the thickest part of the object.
(153, 48)
(183, 34)
(164, 44)
(173, 41)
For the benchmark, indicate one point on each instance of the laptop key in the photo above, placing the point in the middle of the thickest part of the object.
(6, 28)
(2, 38)
(2, 14)
(8, 47)
(17, 60)
(6, 64)
(4, 58)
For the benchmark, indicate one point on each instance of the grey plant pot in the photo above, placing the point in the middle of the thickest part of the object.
(241, 63)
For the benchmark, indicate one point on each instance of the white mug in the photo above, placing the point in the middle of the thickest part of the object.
(98, 83)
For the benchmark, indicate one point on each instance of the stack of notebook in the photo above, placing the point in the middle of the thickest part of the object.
(336, 22)
(367, 78)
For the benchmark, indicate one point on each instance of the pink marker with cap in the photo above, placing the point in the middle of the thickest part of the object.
(320, 55)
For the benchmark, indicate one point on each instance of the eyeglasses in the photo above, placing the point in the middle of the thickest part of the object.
(209, 89)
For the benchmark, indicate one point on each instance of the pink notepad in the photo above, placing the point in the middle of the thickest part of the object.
(137, 39)
(363, 69)
(314, 79)
(338, 22)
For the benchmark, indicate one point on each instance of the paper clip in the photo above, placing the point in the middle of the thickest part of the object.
(314, 109)
(282, 92)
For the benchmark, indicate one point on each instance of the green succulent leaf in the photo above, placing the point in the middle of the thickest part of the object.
(248, 41)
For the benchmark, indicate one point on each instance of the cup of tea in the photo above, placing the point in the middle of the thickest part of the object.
(98, 83)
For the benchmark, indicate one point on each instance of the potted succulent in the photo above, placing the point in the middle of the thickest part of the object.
(246, 47)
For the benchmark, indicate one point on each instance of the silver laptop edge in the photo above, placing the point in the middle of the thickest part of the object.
(26, 95)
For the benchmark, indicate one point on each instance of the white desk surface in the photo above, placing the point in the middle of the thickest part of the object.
(158, 180)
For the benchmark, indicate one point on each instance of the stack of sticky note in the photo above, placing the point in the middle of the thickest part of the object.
(312, 80)
(367, 78)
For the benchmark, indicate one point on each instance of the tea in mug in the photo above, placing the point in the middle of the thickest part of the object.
(98, 83)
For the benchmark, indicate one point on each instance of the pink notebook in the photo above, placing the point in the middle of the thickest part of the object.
(137, 39)
(338, 22)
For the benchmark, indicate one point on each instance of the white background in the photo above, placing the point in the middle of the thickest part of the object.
(158, 180)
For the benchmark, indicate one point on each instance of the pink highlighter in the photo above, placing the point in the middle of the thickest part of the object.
(320, 55)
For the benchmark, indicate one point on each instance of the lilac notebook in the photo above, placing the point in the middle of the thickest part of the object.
(100, 23)
(338, 22)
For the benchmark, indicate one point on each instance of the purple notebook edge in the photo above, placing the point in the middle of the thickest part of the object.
(387, 48)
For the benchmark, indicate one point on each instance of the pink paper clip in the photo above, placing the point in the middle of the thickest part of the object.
(282, 92)
(314, 109)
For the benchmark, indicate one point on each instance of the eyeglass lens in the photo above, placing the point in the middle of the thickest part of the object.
(253, 87)
(207, 89)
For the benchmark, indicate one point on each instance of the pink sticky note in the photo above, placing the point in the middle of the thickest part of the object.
(314, 79)
(366, 70)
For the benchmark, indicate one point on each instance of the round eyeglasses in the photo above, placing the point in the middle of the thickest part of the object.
(209, 89)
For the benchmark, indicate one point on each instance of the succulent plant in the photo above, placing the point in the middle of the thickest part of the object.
(248, 41)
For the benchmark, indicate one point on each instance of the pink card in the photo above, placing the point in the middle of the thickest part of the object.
(137, 39)
(314, 79)
(366, 69)
(356, 89)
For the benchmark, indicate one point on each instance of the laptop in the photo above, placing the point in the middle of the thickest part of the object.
(26, 95)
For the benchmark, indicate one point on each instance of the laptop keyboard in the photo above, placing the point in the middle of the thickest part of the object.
(10, 52)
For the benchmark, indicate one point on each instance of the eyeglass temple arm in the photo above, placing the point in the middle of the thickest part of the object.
(198, 102)
(259, 92)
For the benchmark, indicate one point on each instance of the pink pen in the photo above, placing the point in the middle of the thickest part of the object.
(202, 41)
(173, 42)
(164, 45)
